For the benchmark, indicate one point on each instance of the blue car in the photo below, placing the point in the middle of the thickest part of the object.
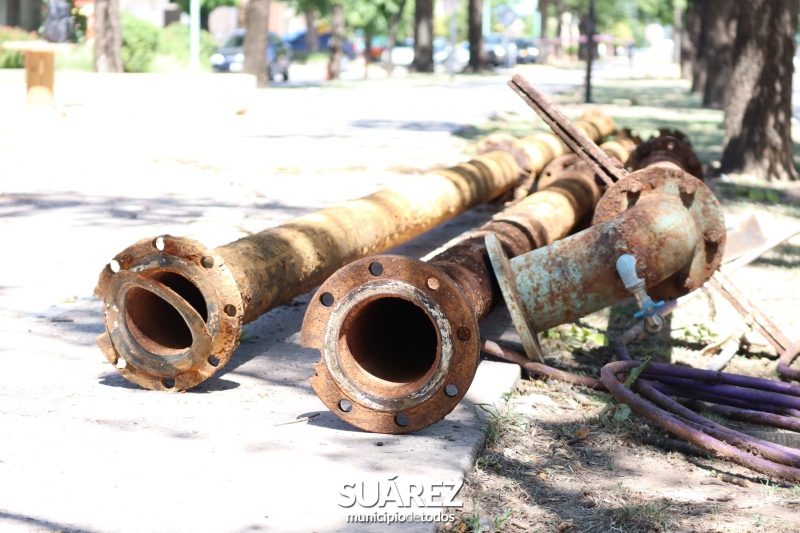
(230, 56)
(298, 43)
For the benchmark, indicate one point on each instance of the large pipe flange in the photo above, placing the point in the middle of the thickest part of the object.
(173, 313)
(670, 148)
(649, 183)
(399, 344)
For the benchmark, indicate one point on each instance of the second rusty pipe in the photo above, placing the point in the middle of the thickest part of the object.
(399, 337)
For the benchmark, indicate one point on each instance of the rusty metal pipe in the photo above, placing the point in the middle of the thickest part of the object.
(666, 219)
(174, 308)
(534, 152)
(399, 341)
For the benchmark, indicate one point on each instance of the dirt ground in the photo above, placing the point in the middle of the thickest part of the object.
(556, 459)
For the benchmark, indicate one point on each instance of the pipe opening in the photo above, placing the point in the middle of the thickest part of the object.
(154, 323)
(392, 339)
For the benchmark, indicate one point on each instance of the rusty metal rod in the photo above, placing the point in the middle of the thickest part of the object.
(399, 342)
(174, 308)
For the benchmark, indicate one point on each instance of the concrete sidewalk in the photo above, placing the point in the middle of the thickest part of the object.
(82, 449)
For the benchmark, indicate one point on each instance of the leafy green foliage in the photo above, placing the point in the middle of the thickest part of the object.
(174, 41)
(206, 6)
(12, 58)
(576, 336)
(139, 43)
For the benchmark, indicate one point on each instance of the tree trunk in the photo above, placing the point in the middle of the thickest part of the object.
(720, 32)
(758, 103)
(393, 23)
(477, 55)
(689, 38)
(544, 46)
(256, 41)
(367, 51)
(699, 64)
(559, 29)
(677, 31)
(336, 42)
(423, 36)
(108, 37)
(312, 38)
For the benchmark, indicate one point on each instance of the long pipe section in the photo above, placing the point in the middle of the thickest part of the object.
(399, 337)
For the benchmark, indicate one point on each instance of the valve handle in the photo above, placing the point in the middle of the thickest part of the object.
(648, 309)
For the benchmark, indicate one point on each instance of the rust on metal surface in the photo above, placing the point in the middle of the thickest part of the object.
(174, 308)
(648, 215)
(533, 153)
(464, 269)
(670, 148)
(572, 136)
(397, 347)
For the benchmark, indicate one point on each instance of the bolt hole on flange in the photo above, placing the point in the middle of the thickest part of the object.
(114, 266)
(154, 323)
(376, 269)
(345, 406)
(230, 310)
(401, 419)
(392, 339)
(433, 284)
(168, 383)
(326, 299)
(159, 244)
(451, 391)
(213, 361)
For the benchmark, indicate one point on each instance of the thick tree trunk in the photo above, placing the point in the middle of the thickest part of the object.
(336, 42)
(720, 32)
(758, 103)
(677, 31)
(312, 38)
(559, 29)
(367, 51)
(393, 23)
(256, 41)
(108, 37)
(544, 46)
(477, 55)
(423, 36)
(699, 64)
(689, 38)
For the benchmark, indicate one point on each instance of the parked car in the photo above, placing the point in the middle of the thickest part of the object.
(297, 42)
(442, 51)
(402, 53)
(527, 51)
(499, 52)
(230, 56)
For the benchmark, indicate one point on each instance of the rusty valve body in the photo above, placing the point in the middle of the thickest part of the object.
(667, 219)
(174, 308)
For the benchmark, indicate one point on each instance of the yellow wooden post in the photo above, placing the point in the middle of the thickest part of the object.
(40, 67)
(39, 73)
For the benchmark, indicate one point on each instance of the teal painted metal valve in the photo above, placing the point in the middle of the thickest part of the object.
(626, 267)
(659, 226)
